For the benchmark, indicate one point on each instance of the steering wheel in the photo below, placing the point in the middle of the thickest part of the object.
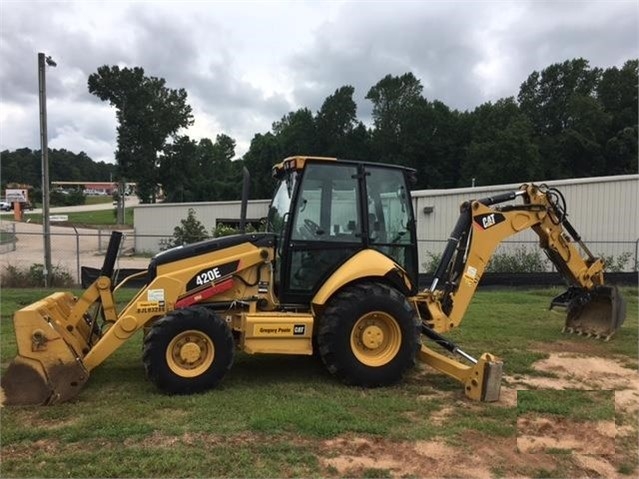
(310, 229)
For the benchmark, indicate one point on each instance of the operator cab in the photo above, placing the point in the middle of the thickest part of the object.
(326, 210)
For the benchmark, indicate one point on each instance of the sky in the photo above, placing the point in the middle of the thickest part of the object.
(246, 64)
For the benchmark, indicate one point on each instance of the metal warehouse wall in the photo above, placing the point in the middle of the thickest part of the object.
(602, 209)
(155, 223)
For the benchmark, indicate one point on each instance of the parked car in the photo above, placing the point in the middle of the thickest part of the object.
(24, 206)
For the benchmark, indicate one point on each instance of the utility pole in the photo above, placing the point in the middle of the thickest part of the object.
(46, 224)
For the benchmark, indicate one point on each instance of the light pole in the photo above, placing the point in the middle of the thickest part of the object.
(46, 225)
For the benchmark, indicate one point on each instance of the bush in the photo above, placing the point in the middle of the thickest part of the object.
(521, 260)
(617, 264)
(33, 277)
(191, 231)
(431, 264)
(72, 198)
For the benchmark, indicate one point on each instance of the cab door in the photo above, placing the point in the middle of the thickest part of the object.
(325, 228)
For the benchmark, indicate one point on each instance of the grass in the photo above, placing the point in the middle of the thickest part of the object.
(272, 415)
(571, 404)
(98, 200)
(89, 218)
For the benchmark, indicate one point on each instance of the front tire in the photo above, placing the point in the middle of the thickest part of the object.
(188, 351)
(369, 335)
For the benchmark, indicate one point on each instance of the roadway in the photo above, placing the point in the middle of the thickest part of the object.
(68, 245)
(128, 201)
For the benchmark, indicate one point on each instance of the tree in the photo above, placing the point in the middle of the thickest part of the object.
(502, 147)
(395, 99)
(551, 99)
(545, 96)
(203, 171)
(178, 169)
(296, 133)
(263, 153)
(148, 114)
(24, 166)
(190, 231)
(617, 93)
(337, 125)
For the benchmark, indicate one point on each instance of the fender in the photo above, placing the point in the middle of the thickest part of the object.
(368, 263)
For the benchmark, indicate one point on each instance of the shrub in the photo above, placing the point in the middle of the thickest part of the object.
(433, 261)
(191, 231)
(71, 198)
(520, 260)
(617, 264)
(33, 276)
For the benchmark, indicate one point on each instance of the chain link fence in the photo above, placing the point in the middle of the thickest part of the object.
(527, 256)
(22, 246)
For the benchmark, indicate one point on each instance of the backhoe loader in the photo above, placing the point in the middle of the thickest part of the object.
(335, 274)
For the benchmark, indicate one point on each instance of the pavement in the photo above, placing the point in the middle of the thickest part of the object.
(128, 201)
(70, 248)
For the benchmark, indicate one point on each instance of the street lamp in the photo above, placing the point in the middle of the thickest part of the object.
(46, 225)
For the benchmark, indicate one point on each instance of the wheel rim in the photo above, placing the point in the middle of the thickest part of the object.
(190, 353)
(376, 339)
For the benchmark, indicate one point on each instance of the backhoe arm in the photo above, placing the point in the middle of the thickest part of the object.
(593, 308)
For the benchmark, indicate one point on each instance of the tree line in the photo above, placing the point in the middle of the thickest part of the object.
(567, 120)
(24, 166)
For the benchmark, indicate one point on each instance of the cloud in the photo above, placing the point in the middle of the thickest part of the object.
(245, 65)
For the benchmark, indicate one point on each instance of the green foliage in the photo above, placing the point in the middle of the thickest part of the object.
(573, 404)
(21, 277)
(90, 219)
(224, 230)
(148, 113)
(569, 120)
(24, 166)
(202, 171)
(432, 262)
(618, 264)
(67, 198)
(191, 231)
(520, 260)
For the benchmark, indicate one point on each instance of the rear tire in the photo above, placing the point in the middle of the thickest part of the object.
(369, 335)
(188, 351)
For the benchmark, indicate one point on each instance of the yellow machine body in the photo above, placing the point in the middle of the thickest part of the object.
(365, 317)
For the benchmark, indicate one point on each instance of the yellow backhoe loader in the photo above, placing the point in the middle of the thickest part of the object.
(335, 274)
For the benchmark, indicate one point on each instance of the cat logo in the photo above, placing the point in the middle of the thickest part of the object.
(299, 329)
(489, 220)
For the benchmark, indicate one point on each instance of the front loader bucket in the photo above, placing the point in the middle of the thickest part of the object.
(599, 312)
(51, 343)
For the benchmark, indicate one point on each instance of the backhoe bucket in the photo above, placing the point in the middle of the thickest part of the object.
(599, 312)
(51, 343)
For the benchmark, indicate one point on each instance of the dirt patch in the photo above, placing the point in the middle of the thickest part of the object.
(545, 434)
(597, 465)
(478, 457)
(589, 348)
(158, 439)
(351, 456)
(574, 371)
(441, 416)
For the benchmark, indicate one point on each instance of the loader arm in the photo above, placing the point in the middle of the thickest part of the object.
(592, 307)
(60, 340)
